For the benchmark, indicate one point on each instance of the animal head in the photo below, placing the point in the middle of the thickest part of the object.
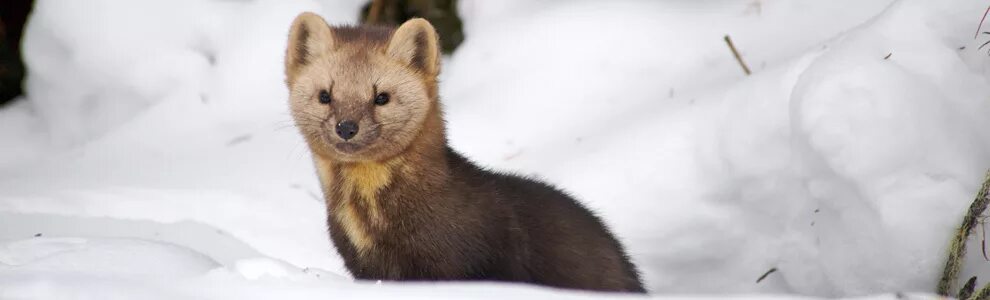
(361, 93)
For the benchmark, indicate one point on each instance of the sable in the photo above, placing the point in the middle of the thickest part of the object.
(401, 204)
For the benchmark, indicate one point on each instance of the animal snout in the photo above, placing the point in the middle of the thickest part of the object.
(347, 129)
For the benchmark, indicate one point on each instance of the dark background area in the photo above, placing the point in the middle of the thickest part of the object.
(441, 13)
(13, 14)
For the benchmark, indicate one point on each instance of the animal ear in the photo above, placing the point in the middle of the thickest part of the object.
(415, 44)
(310, 35)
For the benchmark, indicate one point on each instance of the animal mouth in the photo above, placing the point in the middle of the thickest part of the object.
(347, 147)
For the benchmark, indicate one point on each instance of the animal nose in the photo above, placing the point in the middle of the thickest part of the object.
(347, 129)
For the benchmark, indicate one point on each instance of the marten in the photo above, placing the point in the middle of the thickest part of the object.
(401, 204)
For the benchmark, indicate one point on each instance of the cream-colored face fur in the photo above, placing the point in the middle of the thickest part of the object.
(354, 66)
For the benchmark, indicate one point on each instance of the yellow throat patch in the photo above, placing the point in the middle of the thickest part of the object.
(360, 182)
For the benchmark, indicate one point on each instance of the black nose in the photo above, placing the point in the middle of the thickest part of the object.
(347, 129)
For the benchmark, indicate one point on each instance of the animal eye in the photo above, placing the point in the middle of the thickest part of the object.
(325, 97)
(381, 99)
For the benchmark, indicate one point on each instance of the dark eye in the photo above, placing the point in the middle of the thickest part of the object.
(381, 99)
(324, 97)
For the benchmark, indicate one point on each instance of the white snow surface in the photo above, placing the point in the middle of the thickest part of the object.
(153, 155)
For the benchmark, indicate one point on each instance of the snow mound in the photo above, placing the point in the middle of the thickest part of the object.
(123, 258)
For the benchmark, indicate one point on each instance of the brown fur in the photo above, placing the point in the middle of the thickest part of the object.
(402, 205)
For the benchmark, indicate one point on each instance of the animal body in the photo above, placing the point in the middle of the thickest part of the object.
(403, 205)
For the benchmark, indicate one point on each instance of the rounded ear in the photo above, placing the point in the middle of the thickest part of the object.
(415, 44)
(310, 35)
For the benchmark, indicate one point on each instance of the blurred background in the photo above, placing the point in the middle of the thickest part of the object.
(442, 14)
(796, 147)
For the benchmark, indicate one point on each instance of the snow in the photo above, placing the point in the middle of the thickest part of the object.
(154, 155)
(102, 256)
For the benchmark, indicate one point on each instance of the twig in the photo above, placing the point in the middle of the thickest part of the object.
(764, 276)
(984, 44)
(983, 240)
(981, 23)
(957, 248)
(967, 289)
(736, 54)
(375, 12)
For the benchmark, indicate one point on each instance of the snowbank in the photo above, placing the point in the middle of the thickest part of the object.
(823, 164)
(844, 161)
(96, 65)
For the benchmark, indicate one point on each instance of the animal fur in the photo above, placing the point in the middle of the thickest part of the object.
(401, 204)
